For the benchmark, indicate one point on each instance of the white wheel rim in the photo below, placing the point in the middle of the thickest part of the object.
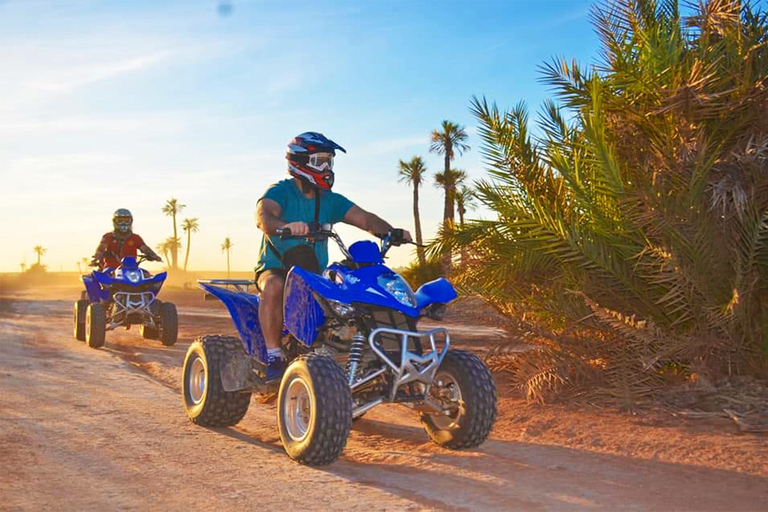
(298, 409)
(446, 388)
(197, 378)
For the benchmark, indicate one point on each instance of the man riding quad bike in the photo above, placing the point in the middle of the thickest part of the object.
(120, 293)
(337, 341)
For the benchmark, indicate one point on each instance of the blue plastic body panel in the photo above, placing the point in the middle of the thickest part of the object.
(303, 313)
(365, 251)
(439, 291)
(244, 310)
(97, 282)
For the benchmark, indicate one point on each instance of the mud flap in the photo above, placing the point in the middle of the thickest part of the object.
(239, 373)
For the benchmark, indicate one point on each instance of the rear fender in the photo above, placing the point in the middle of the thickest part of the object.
(244, 310)
(303, 313)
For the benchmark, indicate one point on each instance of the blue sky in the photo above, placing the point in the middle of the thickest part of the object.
(125, 104)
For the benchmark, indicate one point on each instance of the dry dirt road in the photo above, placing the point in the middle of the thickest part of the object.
(84, 429)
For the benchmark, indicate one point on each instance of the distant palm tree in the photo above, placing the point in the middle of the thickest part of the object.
(449, 182)
(226, 247)
(85, 263)
(465, 200)
(451, 138)
(190, 226)
(166, 246)
(79, 268)
(171, 209)
(39, 250)
(413, 173)
(23, 267)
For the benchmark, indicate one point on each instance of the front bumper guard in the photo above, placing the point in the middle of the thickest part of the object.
(128, 303)
(413, 367)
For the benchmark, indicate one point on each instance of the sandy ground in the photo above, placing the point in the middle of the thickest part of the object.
(84, 429)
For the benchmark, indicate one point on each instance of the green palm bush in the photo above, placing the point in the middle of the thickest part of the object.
(639, 210)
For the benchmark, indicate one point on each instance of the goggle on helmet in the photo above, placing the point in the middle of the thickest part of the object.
(310, 157)
(122, 220)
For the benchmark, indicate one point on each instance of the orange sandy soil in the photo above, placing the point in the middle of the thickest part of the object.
(553, 457)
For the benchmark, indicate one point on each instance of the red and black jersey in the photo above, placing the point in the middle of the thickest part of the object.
(113, 249)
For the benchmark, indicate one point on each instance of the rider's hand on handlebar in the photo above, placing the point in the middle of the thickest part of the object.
(297, 228)
(154, 258)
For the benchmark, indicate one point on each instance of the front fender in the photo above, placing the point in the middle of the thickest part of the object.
(439, 291)
(244, 310)
(303, 314)
(94, 290)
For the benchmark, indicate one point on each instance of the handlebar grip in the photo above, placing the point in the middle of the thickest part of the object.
(283, 231)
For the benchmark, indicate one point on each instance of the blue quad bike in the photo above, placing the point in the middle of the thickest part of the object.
(123, 297)
(351, 342)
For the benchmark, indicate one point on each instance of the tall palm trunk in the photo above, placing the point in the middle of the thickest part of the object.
(417, 222)
(227, 263)
(175, 247)
(189, 241)
(448, 205)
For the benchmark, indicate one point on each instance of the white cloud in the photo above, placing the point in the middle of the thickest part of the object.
(70, 80)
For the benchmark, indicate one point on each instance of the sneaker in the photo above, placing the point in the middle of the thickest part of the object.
(275, 369)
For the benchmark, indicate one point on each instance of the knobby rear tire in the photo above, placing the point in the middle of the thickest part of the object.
(216, 407)
(169, 324)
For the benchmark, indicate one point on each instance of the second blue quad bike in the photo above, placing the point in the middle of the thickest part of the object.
(351, 342)
(123, 297)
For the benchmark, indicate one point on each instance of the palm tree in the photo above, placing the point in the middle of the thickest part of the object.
(23, 267)
(39, 250)
(171, 209)
(447, 141)
(166, 246)
(640, 210)
(413, 173)
(85, 263)
(190, 226)
(226, 247)
(465, 200)
(448, 181)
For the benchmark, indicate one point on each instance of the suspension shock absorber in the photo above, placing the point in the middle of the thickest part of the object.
(355, 357)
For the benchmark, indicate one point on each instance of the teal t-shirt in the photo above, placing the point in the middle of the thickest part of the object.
(296, 207)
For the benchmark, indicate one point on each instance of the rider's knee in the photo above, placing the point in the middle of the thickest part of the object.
(272, 288)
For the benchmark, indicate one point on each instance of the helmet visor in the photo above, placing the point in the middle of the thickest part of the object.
(321, 162)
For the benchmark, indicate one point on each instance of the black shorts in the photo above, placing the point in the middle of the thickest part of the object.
(269, 272)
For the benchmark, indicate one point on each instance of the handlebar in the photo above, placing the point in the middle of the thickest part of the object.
(325, 231)
(316, 231)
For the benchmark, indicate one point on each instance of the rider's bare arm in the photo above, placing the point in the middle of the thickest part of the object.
(99, 254)
(369, 222)
(268, 219)
(152, 255)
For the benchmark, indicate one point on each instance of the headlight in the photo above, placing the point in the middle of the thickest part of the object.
(134, 276)
(398, 288)
(340, 309)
